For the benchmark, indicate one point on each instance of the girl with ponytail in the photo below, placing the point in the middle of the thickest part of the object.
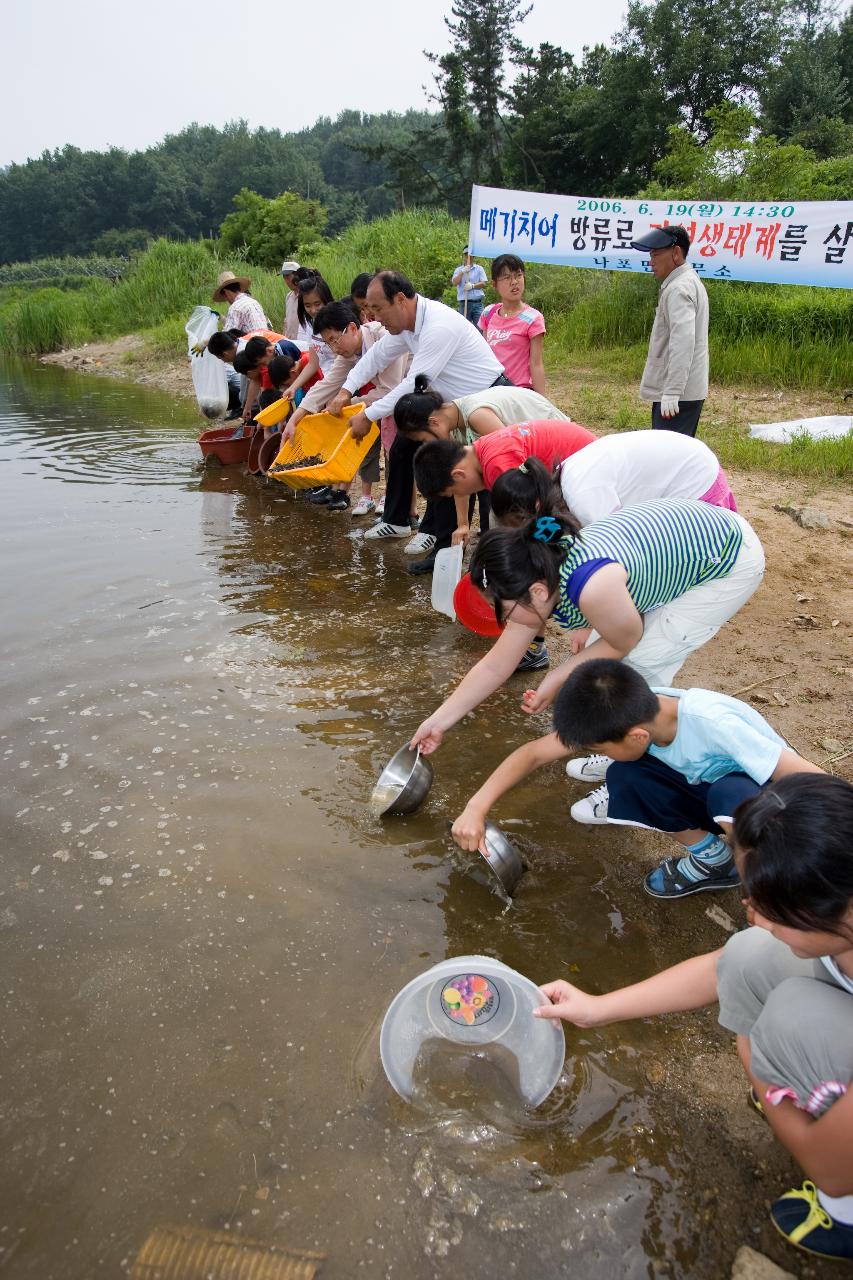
(650, 584)
(423, 415)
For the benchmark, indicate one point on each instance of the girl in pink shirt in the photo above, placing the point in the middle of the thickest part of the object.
(514, 330)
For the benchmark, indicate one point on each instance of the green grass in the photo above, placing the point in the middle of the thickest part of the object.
(605, 400)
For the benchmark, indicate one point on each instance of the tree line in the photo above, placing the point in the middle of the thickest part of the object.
(751, 97)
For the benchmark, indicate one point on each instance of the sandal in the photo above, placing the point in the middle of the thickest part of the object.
(667, 881)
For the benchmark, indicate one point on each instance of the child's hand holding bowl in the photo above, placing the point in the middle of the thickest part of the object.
(469, 830)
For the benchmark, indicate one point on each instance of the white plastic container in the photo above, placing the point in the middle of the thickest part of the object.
(445, 578)
(473, 1001)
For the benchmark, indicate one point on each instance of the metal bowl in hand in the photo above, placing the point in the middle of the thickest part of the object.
(502, 858)
(403, 783)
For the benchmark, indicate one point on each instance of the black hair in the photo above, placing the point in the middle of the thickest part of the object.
(279, 369)
(358, 288)
(794, 844)
(254, 349)
(335, 315)
(434, 462)
(242, 363)
(219, 343)
(506, 262)
(302, 273)
(394, 282)
(412, 411)
(312, 283)
(268, 397)
(601, 700)
(524, 491)
(507, 562)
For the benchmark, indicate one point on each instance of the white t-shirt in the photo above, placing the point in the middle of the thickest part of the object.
(635, 466)
(511, 404)
(831, 965)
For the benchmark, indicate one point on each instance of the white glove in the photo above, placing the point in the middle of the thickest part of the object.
(467, 285)
(668, 406)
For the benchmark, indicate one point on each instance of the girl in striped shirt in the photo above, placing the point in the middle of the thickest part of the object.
(649, 584)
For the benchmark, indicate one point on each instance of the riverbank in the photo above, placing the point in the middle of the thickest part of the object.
(225, 662)
(793, 657)
(128, 357)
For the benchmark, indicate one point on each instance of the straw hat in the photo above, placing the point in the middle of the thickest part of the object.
(229, 278)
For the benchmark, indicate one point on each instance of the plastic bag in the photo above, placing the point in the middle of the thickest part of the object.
(209, 377)
(828, 428)
(202, 323)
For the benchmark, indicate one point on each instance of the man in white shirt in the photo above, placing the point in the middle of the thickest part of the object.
(457, 361)
(675, 378)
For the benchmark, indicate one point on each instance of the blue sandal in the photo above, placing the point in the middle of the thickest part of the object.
(667, 881)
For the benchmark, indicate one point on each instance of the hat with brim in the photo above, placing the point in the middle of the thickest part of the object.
(663, 238)
(288, 268)
(226, 280)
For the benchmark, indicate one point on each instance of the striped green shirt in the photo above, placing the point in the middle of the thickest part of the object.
(666, 547)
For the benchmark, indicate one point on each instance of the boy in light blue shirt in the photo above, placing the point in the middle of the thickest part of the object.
(683, 760)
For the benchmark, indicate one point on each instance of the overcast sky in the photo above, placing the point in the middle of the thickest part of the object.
(100, 73)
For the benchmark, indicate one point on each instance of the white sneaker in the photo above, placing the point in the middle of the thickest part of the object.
(421, 543)
(383, 530)
(589, 768)
(363, 507)
(593, 808)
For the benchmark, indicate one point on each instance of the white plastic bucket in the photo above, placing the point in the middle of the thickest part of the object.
(445, 577)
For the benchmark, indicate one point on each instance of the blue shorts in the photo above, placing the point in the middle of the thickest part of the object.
(648, 793)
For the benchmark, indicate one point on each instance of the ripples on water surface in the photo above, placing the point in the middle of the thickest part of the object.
(202, 924)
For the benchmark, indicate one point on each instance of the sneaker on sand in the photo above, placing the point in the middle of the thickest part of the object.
(363, 507)
(339, 501)
(536, 657)
(799, 1216)
(383, 530)
(421, 543)
(588, 768)
(593, 808)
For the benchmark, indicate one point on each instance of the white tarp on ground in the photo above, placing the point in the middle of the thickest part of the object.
(831, 428)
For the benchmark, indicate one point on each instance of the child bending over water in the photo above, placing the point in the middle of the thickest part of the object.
(681, 760)
(785, 988)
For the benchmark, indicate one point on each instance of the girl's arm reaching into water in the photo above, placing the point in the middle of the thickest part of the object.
(605, 602)
(689, 985)
(483, 679)
(469, 828)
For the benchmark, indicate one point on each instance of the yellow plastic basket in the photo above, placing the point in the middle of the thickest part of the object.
(273, 413)
(320, 435)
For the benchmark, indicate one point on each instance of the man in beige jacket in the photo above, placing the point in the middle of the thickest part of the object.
(675, 378)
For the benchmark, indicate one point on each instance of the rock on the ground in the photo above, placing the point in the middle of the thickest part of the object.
(749, 1265)
(812, 518)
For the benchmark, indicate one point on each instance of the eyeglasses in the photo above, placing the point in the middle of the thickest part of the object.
(510, 277)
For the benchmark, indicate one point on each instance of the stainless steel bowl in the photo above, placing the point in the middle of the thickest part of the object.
(403, 783)
(503, 859)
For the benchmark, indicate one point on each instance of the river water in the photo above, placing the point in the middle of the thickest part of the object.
(201, 924)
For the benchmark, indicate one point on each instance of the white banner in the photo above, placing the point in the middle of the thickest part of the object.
(800, 242)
